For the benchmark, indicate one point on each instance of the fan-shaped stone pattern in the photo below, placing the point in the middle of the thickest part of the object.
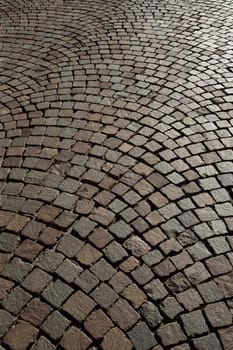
(116, 175)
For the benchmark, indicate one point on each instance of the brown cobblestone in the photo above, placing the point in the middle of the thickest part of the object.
(20, 336)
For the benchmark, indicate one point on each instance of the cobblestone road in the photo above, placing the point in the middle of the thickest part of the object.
(116, 174)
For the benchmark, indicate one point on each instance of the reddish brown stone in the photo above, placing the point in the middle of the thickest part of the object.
(104, 198)
(129, 264)
(50, 236)
(120, 281)
(79, 305)
(81, 147)
(154, 236)
(154, 218)
(116, 340)
(87, 191)
(20, 336)
(5, 217)
(17, 223)
(84, 206)
(100, 237)
(36, 312)
(88, 255)
(97, 324)
(65, 219)
(74, 339)
(123, 314)
(134, 295)
(48, 213)
(28, 249)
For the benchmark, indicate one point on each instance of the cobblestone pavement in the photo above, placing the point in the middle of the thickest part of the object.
(116, 175)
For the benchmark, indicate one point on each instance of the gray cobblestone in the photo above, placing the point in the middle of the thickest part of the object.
(194, 323)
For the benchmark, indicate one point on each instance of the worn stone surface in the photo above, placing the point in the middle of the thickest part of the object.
(75, 339)
(20, 336)
(116, 177)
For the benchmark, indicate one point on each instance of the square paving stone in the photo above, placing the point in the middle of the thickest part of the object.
(48, 213)
(104, 295)
(103, 270)
(218, 265)
(177, 283)
(83, 227)
(142, 274)
(55, 325)
(56, 293)
(197, 273)
(102, 216)
(153, 257)
(16, 300)
(20, 336)
(65, 200)
(49, 260)
(210, 291)
(219, 245)
(151, 314)
(199, 251)
(79, 305)
(100, 238)
(165, 268)
(141, 337)
(137, 246)
(114, 252)
(170, 307)
(35, 312)
(86, 281)
(194, 323)
(156, 290)
(123, 314)
(115, 339)
(50, 236)
(74, 338)
(134, 295)
(36, 281)
(97, 324)
(16, 270)
(88, 255)
(190, 299)
(171, 334)
(121, 229)
(119, 281)
(68, 271)
(218, 314)
(208, 342)
(43, 344)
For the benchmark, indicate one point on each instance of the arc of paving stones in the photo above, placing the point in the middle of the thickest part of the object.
(116, 176)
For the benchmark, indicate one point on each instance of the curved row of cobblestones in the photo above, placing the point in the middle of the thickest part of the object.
(116, 175)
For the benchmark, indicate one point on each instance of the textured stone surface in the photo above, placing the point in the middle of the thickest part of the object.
(116, 177)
